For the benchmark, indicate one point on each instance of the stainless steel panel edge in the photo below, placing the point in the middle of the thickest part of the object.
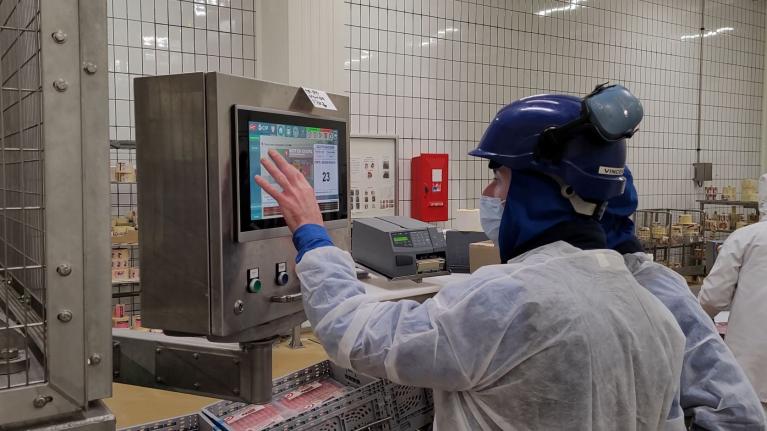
(95, 156)
(63, 198)
(170, 131)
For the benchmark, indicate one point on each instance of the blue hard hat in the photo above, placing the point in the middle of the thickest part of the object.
(580, 142)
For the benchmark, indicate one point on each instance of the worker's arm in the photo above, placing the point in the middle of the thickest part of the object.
(714, 390)
(719, 286)
(427, 345)
(404, 341)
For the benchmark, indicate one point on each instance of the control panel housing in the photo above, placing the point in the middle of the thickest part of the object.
(202, 274)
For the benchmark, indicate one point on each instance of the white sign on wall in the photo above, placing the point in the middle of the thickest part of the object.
(373, 176)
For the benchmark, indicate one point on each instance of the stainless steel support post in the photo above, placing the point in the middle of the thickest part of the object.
(295, 338)
(258, 370)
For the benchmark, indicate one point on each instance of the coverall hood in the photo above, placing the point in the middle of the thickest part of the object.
(534, 205)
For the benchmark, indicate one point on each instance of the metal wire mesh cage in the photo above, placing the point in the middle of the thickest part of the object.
(55, 350)
(22, 216)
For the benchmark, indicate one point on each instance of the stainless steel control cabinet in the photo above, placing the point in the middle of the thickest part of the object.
(194, 271)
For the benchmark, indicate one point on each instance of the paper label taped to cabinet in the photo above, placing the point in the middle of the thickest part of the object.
(319, 99)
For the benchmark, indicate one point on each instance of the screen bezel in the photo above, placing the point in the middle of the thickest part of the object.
(248, 230)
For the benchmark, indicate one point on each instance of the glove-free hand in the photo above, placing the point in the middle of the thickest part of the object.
(297, 201)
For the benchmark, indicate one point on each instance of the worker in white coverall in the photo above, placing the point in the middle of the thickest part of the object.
(738, 282)
(561, 336)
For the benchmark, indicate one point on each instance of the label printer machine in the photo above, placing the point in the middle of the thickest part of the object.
(399, 247)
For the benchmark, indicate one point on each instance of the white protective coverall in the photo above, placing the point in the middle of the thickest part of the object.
(557, 339)
(715, 391)
(738, 281)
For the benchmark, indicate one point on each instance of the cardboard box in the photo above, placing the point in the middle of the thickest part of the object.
(120, 254)
(119, 221)
(129, 237)
(120, 263)
(121, 322)
(125, 167)
(483, 253)
(126, 177)
(120, 274)
(133, 273)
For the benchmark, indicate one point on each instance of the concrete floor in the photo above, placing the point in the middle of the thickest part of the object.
(133, 405)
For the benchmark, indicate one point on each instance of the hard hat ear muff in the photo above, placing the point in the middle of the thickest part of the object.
(552, 144)
(549, 147)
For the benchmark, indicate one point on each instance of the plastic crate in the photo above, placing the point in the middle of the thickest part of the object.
(361, 405)
(411, 408)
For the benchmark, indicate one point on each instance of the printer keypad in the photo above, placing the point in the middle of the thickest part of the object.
(421, 239)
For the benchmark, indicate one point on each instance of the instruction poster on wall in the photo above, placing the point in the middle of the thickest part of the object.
(373, 174)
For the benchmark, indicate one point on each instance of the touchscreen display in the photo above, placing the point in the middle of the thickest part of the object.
(316, 146)
(312, 150)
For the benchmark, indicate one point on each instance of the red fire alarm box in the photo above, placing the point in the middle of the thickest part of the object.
(429, 187)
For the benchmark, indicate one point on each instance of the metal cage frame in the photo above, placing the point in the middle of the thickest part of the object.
(72, 56)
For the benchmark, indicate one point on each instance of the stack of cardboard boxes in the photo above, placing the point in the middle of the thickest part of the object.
(121, 320)
(123, 172)
(122, 269)
(125, 228)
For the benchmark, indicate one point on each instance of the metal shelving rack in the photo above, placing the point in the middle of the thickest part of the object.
(703, 203)
(685, 255)
(123, 200)
(716, 236)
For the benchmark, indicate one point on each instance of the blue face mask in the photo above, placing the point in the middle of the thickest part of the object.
(490, 215)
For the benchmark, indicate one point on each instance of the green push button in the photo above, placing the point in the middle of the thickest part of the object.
(254, 285)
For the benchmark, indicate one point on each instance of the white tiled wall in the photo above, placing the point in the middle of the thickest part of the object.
(160, 37)
(302, 43)
(434, 72)
(733, 73)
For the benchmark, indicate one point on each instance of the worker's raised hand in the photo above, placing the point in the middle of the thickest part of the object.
(299, 206)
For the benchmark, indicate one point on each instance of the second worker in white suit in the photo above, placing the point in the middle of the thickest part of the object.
(738, 282)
